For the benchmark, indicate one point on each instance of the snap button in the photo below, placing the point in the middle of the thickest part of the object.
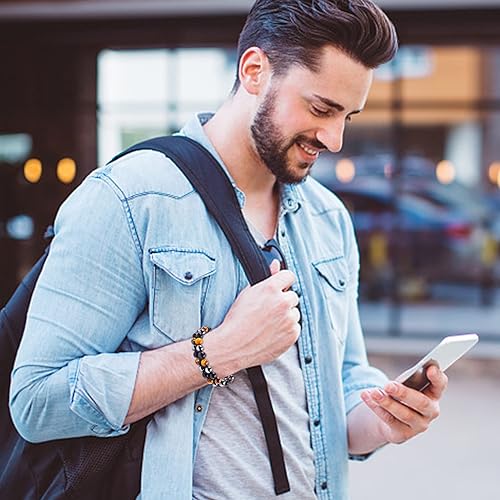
(188, 276)
(324, 485)
(316, 422)
(341, 282)
(199, 408)
(308, 360)
(292, 205)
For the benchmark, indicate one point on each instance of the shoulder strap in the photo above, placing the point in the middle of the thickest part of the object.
(214, 186)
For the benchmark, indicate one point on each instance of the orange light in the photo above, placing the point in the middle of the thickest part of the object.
(66, 170)
(445, 172)
(33, 170)
(345, 170)
(494, 172)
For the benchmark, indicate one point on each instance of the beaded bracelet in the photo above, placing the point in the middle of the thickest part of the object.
(201, 360)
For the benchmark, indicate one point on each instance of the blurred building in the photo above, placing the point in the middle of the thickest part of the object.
(81, 79)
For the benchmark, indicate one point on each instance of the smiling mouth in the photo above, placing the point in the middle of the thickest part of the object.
(310, 151)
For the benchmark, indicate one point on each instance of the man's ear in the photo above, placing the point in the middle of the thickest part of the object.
(254, 70)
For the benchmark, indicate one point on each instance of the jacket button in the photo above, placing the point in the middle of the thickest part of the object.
(188, 276)
(324, 485)
(316, 422)
(199, 408)
(308, 360)
(341, 282)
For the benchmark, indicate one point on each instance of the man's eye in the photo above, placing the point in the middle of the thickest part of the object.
(320, 112)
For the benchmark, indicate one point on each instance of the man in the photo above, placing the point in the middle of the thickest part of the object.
(137, 265)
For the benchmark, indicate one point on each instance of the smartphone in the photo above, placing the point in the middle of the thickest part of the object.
(449, 350)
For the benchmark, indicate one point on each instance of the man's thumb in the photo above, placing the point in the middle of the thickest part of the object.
(275, 267)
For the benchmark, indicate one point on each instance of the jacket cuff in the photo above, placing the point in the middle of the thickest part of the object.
(90, 381)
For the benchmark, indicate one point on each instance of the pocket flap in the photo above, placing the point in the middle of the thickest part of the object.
(185, 265)
(334, 271)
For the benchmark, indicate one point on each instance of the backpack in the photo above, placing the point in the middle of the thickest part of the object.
(95, 468)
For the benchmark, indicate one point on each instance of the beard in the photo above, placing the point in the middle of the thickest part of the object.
(273, 147)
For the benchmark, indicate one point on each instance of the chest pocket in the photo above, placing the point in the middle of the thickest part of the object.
(333, 275)
(180, 283)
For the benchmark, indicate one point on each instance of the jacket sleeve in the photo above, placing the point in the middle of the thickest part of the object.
(68, 380)
(357, 374)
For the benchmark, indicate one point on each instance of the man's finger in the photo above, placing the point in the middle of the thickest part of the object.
(275, 267)
(413, 399)
(439, 382)
(395, 424)
(292, 297)
(283, 279)
(400, 411)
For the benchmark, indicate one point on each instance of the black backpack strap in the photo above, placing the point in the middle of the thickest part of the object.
(213, 185)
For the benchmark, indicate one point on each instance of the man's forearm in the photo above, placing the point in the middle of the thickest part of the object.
(164, 375)
(363, 431)
(169, 373)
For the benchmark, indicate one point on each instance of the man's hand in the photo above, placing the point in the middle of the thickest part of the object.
(261, 325)
(405, 412)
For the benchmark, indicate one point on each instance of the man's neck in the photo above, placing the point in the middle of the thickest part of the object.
(229, 132)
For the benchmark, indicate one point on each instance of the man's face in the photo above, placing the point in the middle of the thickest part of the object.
(304, 113)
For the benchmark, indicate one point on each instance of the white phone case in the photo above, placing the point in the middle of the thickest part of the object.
(449, 350)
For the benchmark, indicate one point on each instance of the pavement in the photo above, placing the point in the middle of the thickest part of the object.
(458, 457)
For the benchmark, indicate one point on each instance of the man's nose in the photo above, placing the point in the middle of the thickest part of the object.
(332, 136)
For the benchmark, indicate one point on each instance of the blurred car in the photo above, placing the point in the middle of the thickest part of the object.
(422, 238)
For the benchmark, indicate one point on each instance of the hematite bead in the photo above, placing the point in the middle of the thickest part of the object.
(202, 361)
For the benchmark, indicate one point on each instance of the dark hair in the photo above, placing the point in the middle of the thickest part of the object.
(294, 32)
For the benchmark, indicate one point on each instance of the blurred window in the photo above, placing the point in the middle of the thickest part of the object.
(15, 148)
(144, 93)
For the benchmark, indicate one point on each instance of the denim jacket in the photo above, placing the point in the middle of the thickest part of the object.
(138, 263)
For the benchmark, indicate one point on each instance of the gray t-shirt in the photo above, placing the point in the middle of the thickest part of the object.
(232, 460)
